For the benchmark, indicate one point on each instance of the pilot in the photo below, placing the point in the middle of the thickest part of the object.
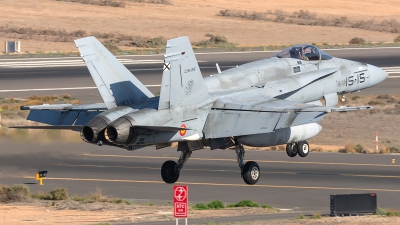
(304, 55)
(296, 53)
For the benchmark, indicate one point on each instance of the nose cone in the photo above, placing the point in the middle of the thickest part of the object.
(377, 74)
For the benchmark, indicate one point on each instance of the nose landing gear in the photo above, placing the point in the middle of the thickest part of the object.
(301, 148)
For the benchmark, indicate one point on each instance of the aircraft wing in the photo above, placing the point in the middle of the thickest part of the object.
(245, 115)
(273, 105)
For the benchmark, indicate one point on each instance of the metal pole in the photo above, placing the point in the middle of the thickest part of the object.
(177, 221)
(185, 221)
(376, 143)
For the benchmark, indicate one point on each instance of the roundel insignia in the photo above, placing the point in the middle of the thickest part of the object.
(182, 132)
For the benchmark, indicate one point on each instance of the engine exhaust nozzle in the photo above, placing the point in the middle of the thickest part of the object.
(120, 132)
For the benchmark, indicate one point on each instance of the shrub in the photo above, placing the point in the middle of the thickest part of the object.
(111, 47)
(55, 194)
(349, 148)
(266, 206)
(216, 204)
(215, 41)
(15, 193)
(393, 150)
(164, 2)
(357, 41)
(59, 194)
(42, 196)
(316, 216)
(245, 203)
(375, 103)
(98, 2)
(397, 39)
(359, 148)
(380, 211)
(200, 206)
(158, 42)
(392, 213)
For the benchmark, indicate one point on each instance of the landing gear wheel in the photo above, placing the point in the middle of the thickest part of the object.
(251, 172)
(168, 173)
(291, 149)
(303, 148)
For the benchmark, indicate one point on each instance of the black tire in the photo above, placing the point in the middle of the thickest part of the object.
(291, 149)
(251, 172)
(303, 148)
(168, 172)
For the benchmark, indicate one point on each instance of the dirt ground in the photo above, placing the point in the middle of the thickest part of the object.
(194, 19)
(69, 212)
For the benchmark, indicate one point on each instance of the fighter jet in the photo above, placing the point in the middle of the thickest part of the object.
(273, 101)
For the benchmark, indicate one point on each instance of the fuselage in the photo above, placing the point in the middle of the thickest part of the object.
(297, 80)
(301, 74)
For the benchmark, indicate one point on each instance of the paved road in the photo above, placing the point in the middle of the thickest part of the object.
(300, 184)
(25, 77)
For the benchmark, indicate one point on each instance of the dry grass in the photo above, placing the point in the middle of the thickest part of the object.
(192, 19)
(98, 2)
(305, 17)
(357, 41)
(164, 2)
(98, 196)
(11, 104)
(215, 41)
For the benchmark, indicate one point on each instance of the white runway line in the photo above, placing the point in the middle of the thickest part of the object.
(60, 89)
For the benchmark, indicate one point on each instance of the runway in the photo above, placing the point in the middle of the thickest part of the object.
(48, 76)
(299, 184)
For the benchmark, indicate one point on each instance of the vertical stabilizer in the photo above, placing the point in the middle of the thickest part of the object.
(182, 82)
(116, 84)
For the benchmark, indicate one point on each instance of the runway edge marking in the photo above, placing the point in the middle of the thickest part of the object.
(234, 160)
(221, 184)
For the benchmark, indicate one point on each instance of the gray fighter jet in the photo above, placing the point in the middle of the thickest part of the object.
(270, 102)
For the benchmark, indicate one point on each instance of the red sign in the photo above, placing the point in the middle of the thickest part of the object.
(180, 201)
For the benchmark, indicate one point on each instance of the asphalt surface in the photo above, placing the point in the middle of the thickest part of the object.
(296, 184)
(24, 77)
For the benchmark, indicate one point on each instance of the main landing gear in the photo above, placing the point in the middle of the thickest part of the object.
(302, 148)
(170, 169)
(250, 170)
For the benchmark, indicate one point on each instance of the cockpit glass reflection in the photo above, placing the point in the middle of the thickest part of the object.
(303, 52)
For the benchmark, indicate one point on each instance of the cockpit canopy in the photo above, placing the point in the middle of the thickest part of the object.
(303, 52)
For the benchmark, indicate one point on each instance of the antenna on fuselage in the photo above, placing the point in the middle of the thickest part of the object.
(219, 69)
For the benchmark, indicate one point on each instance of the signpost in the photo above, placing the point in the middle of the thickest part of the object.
(181, 196)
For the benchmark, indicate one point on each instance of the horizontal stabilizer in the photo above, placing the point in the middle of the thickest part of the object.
(74, 128)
